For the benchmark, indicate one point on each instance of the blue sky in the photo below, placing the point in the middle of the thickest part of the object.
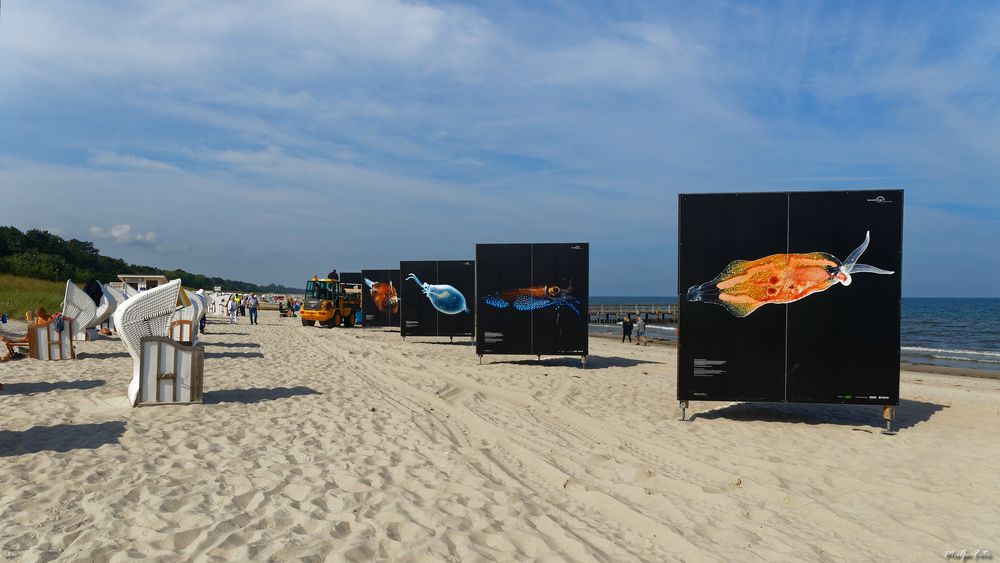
(268, 141)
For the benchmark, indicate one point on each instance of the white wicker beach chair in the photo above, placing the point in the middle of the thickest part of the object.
(184, 326)
(45, 343)
(105, 308)
(205, 302)
(198, 301)
(218, 305)
(169, 372)
(119, 297)
(79, 307)
(145, 314)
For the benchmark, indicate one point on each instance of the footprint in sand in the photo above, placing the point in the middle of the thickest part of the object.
(349, 483)
(341, 530)
(186, 538)
(297, 493)
(405, 531)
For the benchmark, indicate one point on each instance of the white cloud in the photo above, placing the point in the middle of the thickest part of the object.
(199, 42)
(110, 158)
(122, 234)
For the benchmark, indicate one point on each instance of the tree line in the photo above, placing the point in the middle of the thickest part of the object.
(40, 254)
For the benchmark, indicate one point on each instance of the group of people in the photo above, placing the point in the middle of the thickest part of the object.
(640, 330)
(42, 317)
(286, 310)
(240, 305)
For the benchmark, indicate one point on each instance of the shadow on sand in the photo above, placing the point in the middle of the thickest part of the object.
(234, 355)
(46, 386)
(593, 362)
(255, 395)
(908, 413)
(60, 438)
(101, 355)
(461, 341)
(233, 344)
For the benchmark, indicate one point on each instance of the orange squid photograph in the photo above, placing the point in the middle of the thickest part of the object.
(746, 285)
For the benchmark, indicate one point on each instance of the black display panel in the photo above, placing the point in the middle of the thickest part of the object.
(436, 297)
(846, 348)
(711, 236)
(500, 268)
(531, 299)
(380, 298)
(352, 277)
(790, 297)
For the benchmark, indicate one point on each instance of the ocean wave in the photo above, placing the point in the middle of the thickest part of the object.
(931, 351)
(965, 359)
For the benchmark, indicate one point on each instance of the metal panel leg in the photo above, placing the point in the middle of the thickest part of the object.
(888, 414)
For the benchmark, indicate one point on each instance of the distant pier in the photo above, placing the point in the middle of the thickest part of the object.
(614, 313)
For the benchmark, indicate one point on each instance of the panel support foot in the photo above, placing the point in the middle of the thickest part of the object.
(684, 407)
(888, 414)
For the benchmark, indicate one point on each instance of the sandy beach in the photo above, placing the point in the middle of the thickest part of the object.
(351, 444)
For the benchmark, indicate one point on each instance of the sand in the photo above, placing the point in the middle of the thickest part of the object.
(338, 444)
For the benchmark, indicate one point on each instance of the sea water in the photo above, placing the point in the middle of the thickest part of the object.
(953, 332)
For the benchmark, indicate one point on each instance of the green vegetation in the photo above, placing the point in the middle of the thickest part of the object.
(19, 294)
(40, 254)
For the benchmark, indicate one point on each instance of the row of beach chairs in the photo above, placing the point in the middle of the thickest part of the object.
(159, 328)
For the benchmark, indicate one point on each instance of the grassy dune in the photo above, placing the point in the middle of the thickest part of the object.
(19, 294)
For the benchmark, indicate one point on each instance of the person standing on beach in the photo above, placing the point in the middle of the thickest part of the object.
(627, 328)
(640, 331)
(233, 308)
(252, 304)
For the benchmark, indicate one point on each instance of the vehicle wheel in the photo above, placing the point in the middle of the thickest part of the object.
(336, 320)
(308, 323)
(349, 321)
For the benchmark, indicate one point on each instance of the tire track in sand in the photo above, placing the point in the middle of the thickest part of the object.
(608, 514)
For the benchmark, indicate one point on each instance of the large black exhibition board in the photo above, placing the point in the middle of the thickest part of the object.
(380, 297)
(531, 299)
(351, 277)
(790, 296)
(436, 297)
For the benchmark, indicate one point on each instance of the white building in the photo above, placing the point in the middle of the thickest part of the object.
(141, 282)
